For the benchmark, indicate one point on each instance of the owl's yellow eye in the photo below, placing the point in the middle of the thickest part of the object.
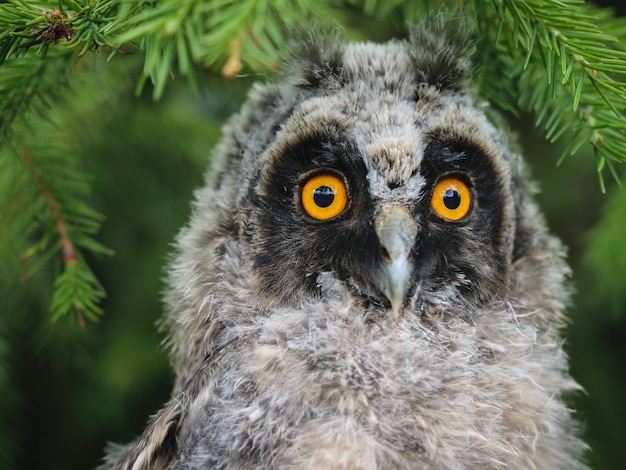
(324, 196)
(451, 199)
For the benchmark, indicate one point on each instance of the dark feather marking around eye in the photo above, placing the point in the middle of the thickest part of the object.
(446, 153)
(452, 157)
(449, 154)
(318, 152)
(279, 224)
(307, 154)
(325, 155)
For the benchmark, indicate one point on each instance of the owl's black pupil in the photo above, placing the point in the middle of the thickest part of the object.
(452, 199)
(323, 196)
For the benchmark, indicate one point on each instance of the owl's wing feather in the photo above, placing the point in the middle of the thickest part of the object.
(158, 446)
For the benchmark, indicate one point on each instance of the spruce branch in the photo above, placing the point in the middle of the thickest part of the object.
(51, 192)
(562, 66)
(218, 33)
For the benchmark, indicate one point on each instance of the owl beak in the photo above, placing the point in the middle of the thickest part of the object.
(396, 230)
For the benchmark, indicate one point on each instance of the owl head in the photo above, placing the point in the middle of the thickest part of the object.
(372, 165)
(368, 172)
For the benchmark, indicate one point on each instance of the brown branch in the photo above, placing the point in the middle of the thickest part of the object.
(67, 246)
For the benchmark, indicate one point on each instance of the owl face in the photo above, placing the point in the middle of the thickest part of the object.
(398, 191)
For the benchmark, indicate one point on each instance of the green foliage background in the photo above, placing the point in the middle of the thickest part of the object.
(66, 390)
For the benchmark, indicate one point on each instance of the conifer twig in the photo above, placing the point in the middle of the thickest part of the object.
(67, 245)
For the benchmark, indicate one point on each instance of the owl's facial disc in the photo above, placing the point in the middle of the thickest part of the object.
(396, 230)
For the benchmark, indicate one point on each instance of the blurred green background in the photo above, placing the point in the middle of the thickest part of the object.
(66, 390)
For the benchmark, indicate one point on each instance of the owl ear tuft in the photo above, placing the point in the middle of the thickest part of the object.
(441, 48)
(316, 55)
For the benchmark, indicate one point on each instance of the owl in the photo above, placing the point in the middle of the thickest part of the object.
(365, 281)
